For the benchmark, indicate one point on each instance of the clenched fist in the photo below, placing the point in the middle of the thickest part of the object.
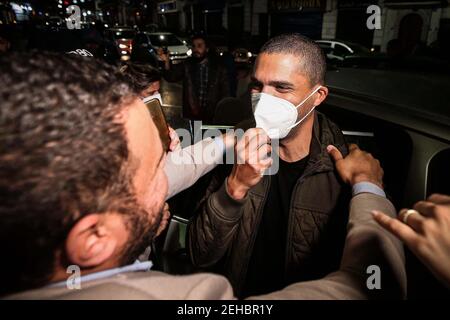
(252, 159)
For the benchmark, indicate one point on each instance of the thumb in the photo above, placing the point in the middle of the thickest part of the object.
(334, 153)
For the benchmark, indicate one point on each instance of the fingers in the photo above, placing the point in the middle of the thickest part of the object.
(248, 148)
(353, 147)
(174, 140)
(257, 142)
(334, 153)
(426, 208)
(396, 227)
(244, 141)
(411, 218)
(261, 159)
(263, 152)
(439, 198)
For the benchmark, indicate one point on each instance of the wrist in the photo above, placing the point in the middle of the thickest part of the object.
(236, 189)
(366, 178)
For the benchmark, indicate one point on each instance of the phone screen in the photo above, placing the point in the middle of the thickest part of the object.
(158, 117)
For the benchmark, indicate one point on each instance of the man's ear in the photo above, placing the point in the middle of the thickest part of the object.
(322, 94)
(92, 241)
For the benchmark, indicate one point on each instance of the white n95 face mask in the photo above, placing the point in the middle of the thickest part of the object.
(275, 115)
(153, 96)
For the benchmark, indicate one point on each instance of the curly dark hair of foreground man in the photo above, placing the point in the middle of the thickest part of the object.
(63, 154)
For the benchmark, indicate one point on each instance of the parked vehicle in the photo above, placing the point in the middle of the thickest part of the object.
(339, 50)
(123, 38)
(147, 45)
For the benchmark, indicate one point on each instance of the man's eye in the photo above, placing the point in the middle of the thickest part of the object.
(282, 88)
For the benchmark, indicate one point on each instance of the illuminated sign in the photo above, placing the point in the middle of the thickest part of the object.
(297, 5)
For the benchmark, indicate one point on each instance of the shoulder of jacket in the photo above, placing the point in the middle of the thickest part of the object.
(330, 133)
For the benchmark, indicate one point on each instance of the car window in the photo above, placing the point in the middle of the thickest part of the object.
(340, 50)
(164, 40)
(438, 173)
(324, 45)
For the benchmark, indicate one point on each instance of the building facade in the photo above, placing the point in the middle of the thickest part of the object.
(411, 22)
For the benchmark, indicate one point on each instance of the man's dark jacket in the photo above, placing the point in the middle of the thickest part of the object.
(222, 233)
(218, 87)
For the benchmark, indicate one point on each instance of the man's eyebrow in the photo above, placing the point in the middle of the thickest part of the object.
(280, 83)
(275, 83)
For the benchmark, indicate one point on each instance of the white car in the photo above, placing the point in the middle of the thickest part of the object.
(338, 50)
(149, 42)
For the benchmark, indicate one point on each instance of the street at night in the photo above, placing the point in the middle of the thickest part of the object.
(225, 150)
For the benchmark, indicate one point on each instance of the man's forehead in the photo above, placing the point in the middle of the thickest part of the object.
(278, 68)
(279, 60)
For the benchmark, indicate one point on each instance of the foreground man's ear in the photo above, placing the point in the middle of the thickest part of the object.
(322, 94)
(94, 240)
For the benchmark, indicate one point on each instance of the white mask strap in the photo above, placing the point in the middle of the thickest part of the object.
(309, 96)
(309, 112)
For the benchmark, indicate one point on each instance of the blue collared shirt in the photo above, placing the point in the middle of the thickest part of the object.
(367, 187)
(136, 266)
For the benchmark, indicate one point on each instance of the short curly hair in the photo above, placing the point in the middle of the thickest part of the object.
(312, 61)
(63, 154)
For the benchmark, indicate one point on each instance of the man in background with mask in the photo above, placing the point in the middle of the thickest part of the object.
(205, 80)
(264, 232)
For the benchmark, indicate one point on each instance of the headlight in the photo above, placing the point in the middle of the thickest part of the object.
(122, 46)
(249, 54)
(189, 52)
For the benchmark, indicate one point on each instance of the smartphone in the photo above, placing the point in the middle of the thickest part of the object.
(157, 113)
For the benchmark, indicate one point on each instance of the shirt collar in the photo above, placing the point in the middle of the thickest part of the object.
(135, 267)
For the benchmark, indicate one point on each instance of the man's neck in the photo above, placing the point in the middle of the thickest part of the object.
(297, 144)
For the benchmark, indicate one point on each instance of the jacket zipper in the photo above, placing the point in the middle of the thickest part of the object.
(306, 175)
(253, 239)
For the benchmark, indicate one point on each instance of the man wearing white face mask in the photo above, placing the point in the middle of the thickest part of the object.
(266, 232)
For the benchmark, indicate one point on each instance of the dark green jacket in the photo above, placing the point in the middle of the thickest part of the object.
(222, 233)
